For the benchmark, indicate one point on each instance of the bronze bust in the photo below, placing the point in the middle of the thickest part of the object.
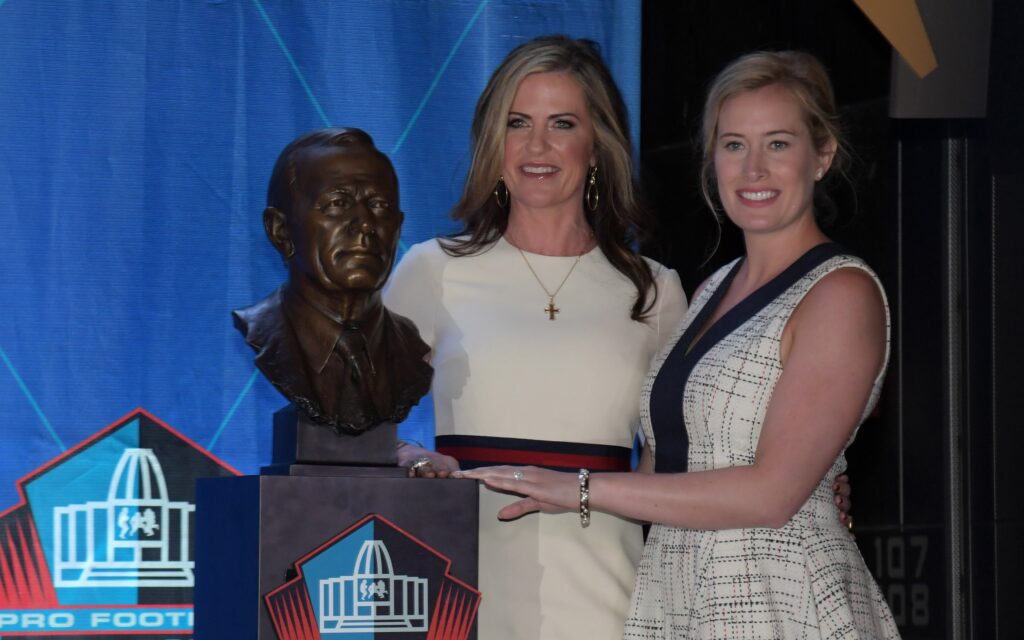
(324, 338)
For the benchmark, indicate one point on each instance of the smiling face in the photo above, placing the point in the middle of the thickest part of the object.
(549, 143)
(345, 217)
(766, 162)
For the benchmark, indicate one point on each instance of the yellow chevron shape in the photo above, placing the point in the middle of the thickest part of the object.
(900, 22)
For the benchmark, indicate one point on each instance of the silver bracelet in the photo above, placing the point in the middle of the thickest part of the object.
(584, 498)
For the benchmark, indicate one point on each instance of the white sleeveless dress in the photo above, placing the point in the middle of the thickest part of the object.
(512, 386)
(804, 580)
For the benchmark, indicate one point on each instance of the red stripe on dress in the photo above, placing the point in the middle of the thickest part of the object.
(541, 458)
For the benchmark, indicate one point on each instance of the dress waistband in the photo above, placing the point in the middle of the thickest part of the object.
(482, 451)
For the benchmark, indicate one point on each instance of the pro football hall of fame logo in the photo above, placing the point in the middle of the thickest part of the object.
(101, 543)
(373, 580)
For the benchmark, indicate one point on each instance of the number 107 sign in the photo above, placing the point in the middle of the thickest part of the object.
(908, 567)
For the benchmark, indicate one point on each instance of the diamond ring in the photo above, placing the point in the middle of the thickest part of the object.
(517, 475)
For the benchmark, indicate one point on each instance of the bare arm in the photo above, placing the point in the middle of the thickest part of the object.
(646, 463)
(836, 346)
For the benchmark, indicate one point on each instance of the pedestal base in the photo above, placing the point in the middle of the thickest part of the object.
(297, 439)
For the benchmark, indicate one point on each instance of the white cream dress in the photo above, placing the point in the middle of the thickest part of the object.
(512, 386)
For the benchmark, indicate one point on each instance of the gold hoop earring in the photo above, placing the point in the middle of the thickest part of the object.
(591, 196)
(501, 194)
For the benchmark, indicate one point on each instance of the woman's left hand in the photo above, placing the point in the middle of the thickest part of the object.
(543, 490)
(842, 497)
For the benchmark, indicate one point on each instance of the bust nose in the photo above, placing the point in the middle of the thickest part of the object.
(366, 231)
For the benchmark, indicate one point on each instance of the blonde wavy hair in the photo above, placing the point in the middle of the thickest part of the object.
(619, 220)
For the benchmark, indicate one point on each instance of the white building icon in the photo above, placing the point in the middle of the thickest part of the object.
(373, 598)
(135, 538)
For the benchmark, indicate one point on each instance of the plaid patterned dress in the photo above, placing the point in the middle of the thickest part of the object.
(805, 580)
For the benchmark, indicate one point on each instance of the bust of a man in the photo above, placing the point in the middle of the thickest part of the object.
(324, 338)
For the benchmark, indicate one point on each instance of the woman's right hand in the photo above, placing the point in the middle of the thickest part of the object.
(424, 463)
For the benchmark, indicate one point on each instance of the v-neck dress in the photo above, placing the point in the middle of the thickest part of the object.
(704, 410)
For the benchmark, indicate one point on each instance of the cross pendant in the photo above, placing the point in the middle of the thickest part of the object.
(551, 309)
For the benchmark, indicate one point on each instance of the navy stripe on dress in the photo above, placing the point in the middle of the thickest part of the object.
(482, 451)
(666, 404)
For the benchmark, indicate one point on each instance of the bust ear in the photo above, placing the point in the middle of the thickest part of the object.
(275, 223)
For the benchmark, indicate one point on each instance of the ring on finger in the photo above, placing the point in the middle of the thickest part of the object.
(419, 463)
(517, 475)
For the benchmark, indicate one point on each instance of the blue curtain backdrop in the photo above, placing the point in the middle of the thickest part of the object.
(137, 138)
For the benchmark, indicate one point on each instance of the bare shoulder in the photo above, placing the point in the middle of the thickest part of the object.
(848, 289)
(847, 299)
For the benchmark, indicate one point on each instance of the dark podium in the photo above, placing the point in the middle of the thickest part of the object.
(308, 550)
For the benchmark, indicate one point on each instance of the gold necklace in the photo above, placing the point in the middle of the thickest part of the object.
(551, 309)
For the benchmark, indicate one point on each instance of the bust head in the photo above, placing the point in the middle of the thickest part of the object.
(325, 339)
(333, 212)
